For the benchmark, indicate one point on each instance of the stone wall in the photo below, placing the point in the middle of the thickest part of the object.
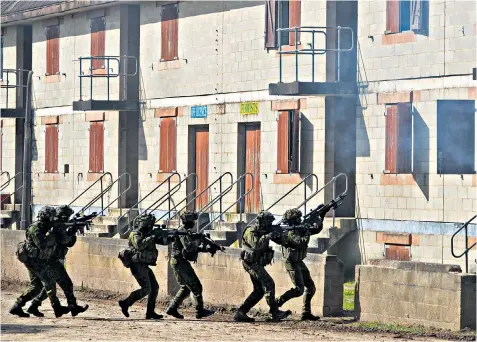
(93, 263)
(415, 293)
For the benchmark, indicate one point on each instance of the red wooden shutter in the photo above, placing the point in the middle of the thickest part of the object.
(96, 146)
(169, 32)
(51, 148)
(392, 16)
(398, 252)
(391, 138)
(168, 142)
(97, 41)
(52, 50)
(295, 19)
(404, 139)
(282, 142)
(270, 24)
(296, 142)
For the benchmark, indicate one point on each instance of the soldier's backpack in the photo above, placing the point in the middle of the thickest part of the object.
(126, 257)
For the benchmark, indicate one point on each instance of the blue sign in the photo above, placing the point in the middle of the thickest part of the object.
(198, 112)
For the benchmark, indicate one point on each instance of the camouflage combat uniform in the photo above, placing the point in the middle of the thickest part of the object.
(256, 254)
(294, 248)
(143, 241)
(56, 264)
(184, 250)
(40, 245)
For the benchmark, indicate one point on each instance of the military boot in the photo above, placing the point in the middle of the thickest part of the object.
(202, 313)
(33, 309)
(308, 316)
(77, 309)
(241, 316)
(153, 315)
(124, 307)
(279, 315)
(17, 310)
(172, 311)
(60, 310)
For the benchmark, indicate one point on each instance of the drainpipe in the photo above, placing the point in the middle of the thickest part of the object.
(27, 156)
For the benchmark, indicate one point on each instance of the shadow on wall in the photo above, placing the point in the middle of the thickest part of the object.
(362, 139)
(142, 107)
(306, 157)
(34, 145)
(421, 151)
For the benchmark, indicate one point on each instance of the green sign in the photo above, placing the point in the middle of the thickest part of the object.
(247, 108)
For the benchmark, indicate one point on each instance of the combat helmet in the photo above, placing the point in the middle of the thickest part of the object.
(64, 212)
(292, 217)
(188, 218)
(144, 222)
(265, 218)
(46, 214)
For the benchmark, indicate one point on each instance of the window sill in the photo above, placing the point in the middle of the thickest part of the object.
(162, 176)
(286, 178)
(94, 176)
(397, 179)
(99, 71)
(167, 65)
(52, 78)
(398, 38)
(49, 176)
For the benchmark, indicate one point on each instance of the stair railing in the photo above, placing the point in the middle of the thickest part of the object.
(4, 185)
(100, 180)
(306, 199)
(120, 193)
(174, 209)
(168, 180)
(242, 196)
(467, 247)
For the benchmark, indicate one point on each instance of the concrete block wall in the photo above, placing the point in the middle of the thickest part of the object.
(9, 55)
(433, 298)
(73, 149)
(93, 263)
(8, 152)
(75, 42)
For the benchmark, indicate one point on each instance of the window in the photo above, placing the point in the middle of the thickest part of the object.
(406, 15)
(53, 50)
(167, 148)
(288, 141)
(51, 148)
(455, 136)
(169, 32)
(397, 252)
(281, 14)
(97, 41)
(398, 153)
(96, 146)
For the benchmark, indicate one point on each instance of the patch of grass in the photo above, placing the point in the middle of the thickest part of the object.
(348, 296)
(391, 327)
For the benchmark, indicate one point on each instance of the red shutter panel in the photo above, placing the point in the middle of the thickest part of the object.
(98, 41)
(392, 16)
(282, 143)
(391, 137)
(169, 32)
(168, 141)
(99, 146)
(55, 148)
(172, 144)
(295, 19)
(49, 148)
(404, 141)
(296, 142)
(49, 54)
(270, 24)
(92, 144)
(163, 146)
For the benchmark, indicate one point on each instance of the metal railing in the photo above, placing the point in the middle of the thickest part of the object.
(312, 50)
(467, 248)
(101, 194)
(122, 70)
(176, 212)
(306, 199)
(241, 196)
(168, 194)
(18, 81)
(4, 185)
(120, 193)
(333, 181)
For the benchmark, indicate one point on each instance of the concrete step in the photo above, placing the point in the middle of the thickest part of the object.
(108, 229)
(96, 234)
(223, 226)
(13, 207)
(8, 214)
(234, 217)
(223, 238)
(118, 212)
(108, 220)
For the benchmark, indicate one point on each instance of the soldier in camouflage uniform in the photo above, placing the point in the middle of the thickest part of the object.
(294, 248)
(56, 263)
(39, 246)
(256, 254)
(184, 250)
(143, 242)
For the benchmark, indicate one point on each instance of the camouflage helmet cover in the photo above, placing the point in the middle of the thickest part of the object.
(144, 221)
(46, 214)
(189, 217)
(64, 212)
(265, 217)
(292, 216)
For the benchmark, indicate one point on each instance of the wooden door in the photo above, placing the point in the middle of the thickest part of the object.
(252, 165)
(398, 252)
(202, 165)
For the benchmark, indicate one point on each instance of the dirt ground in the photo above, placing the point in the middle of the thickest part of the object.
(104, 321)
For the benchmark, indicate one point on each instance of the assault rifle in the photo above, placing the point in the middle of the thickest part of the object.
(208, 244)
(79, 223)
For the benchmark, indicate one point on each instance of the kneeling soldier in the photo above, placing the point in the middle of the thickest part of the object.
(294, 248)
(256, 254)
(64, 240)
(184, 250)
(143, 252)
